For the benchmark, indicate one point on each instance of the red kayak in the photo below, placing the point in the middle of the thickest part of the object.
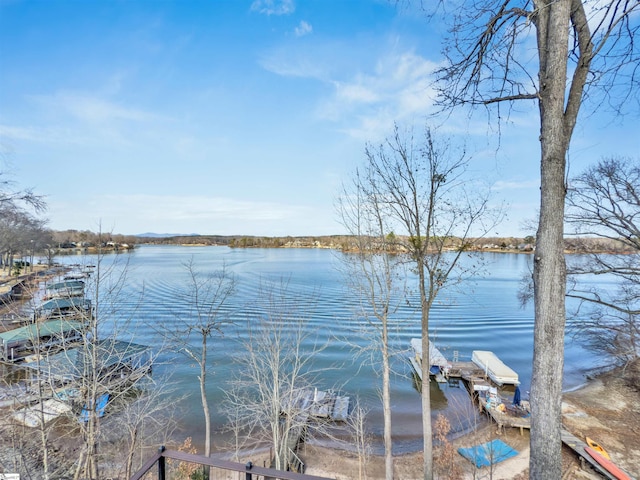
(608, 465)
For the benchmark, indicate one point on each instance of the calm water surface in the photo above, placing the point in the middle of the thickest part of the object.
(483, 315)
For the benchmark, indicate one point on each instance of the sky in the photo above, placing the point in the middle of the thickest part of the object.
(239, 117)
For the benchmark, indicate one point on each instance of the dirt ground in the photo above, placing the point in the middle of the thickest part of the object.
(607, 409)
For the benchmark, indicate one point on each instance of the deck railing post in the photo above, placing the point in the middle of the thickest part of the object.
(248, 467)
(161, 464)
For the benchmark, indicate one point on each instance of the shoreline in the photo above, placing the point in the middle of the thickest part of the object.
(593, 409)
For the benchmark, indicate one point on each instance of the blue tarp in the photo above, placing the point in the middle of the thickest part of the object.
(101, 405)
(488, 453)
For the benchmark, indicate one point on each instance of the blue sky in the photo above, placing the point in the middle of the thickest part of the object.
(236, 117)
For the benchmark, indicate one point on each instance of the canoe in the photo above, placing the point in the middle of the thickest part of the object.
(598, 448)
(608, 465)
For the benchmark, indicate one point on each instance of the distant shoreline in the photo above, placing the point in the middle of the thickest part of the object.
(345, 243)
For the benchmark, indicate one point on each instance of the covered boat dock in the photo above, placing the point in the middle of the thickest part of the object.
(36, 338)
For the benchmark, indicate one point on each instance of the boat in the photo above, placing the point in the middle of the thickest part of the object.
(597, 447)
(439, 366)
(494, 368)
(607, 464)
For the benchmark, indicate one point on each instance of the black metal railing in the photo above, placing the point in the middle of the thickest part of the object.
(252, 472)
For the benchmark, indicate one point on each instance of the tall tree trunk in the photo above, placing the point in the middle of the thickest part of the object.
(131, 452)
(386, 403)
(426, 392)
(205, 405)
(203, 397)
(549, 263)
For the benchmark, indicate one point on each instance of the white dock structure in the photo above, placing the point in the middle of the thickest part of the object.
(437, 360)
(494, 368)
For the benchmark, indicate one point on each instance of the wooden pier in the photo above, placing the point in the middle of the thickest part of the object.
(477, 383)
(509, 417)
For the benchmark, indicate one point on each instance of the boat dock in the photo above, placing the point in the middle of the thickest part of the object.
(482, 385)
(478, 384)
(304, 407)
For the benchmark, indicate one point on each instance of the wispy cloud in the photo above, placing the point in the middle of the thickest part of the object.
(201, 214)
(302, 67)
(18, 133)
(273, 7)
(88, 108)
(397, 89)
(515, 185)
(199, 208)
(45, 135)
(367, 100)
(303, 29)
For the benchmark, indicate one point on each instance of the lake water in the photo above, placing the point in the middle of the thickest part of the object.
(484, 314)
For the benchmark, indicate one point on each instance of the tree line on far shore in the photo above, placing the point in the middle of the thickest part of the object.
(349, 243)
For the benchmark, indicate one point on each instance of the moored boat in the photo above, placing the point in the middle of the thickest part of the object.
(439, 366)
(494, 368)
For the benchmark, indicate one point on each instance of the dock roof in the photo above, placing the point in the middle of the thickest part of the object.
(68, 302)
(40, 329)
(111, 352)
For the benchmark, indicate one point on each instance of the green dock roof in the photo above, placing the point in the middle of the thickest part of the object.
(40, 329)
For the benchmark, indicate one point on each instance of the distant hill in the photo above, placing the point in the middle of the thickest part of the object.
(165, 235)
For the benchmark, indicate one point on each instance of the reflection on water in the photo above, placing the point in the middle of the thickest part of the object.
(481, 315)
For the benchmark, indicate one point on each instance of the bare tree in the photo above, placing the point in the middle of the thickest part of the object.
(377, 276)
(360, 438)
(17, 223)
(594, 44)
(204, 311)
(107, 366)
(13, 199)
(148, 419)
(90, 360)
(427, 197)
(20, 232)
(275, 373)
(604, 202)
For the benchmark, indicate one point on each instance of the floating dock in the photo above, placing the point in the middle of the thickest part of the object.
(306, 406)
(317, 404)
